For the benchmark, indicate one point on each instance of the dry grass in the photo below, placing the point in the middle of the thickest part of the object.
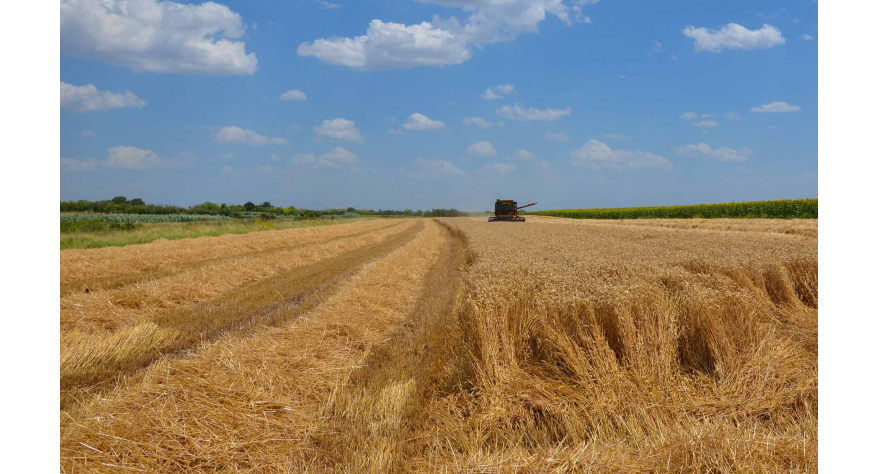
(251, 403)
(536, 347)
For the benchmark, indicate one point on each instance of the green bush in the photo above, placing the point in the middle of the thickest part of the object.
(780, 209)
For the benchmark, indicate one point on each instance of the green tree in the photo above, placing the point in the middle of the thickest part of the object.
(136, 202)
(249, 206)
(119, 200)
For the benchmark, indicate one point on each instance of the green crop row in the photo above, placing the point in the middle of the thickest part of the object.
(142, 218)
(780, 209)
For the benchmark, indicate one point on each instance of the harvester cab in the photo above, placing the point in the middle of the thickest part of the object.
(507, 210)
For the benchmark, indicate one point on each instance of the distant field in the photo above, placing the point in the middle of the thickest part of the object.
(780, 209)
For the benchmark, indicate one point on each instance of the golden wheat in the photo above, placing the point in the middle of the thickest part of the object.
(549, 346)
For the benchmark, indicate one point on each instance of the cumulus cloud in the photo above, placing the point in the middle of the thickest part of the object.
(702, 150)
(477, 121)
(441, 42)
(806, 37)
(391, 46)
(435, 168)
(418, 121)
(233, 134)
(597, 155)
(336, 158)
(497, 92)
(734, 36)
(482, 149)
(129, 157)
(518, 112)
(706, 123)
(689, 115)
(775, 108)
(524, 155)
(293, 95)
(78, 165)
(153, 36)
(88, 98)
(556, 136)
(339, 129)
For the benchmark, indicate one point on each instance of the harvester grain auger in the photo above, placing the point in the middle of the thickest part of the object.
(507, 210)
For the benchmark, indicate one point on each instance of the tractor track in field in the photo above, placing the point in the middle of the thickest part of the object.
(266, 302)
(163, 271)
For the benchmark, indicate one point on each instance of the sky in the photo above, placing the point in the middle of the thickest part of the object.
(398, 104)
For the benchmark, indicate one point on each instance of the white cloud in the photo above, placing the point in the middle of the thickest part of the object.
(499, 168)
(597, 155)
(702, 150)
(390, 46)
(264, 169)
(556, 136)
(418, 121)
(775, 108)
(293, 95)
(497, 92)
(336, 158)
(153, 36)
(706, 123)
(395, 131)
(87, 133)
(226, 157)
(734, 36)
(433, 168)
(689, 115)
(806, 37)
(233, 134)
(88, 98)
(227, 170)
(327, 5)
(578, 7)
(673, 57)
(477, 121)
(656, 49)
(339, 129)
(441, 42)
(274, 157)
(482, 149)
(78, 165)
(129, 157)
(616, 135)
(732, 115)
(523, 155)
(517, 112)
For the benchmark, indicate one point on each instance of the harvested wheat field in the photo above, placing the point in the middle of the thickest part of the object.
(446, 345)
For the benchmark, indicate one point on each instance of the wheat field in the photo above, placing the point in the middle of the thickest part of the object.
(447, 345)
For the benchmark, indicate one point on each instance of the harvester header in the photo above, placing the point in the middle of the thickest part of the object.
(507, 210)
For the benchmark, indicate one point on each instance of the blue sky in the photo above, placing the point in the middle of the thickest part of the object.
(571, 104)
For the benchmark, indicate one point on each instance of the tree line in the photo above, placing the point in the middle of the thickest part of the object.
(123, 205)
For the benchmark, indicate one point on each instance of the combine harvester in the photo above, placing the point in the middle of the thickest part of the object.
(507, 210)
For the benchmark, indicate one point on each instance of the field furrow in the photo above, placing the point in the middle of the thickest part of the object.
(90, 359)
(257, 402)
